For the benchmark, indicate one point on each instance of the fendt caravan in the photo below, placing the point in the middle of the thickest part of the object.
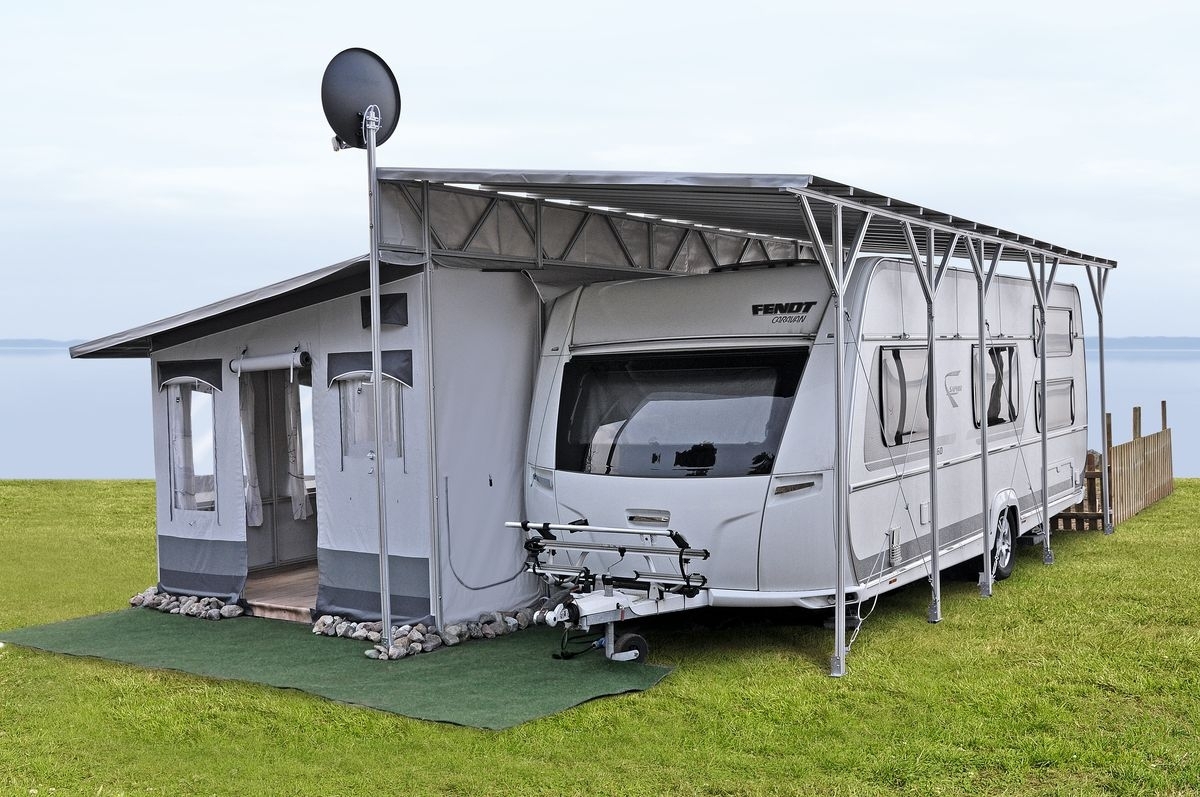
(681, 452)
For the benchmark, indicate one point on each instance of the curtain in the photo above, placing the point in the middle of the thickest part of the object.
(254, 507)
(297, 490)
(179, 417)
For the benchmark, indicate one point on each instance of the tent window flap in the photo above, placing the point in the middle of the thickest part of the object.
(397, 364)
(206, 371)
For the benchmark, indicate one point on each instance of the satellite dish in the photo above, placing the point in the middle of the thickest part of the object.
(355, 79)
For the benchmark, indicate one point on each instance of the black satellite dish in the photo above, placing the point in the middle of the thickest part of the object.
(355, 79)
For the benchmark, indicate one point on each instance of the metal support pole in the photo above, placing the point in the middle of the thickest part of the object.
(1047, 552)
(838, 270)
(930, 279)
(837, 666)
(435, 543)
(982, 283)
(1099, 280)
(935, 542)
(371, 124)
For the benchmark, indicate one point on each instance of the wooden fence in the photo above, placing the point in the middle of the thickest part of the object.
(1141, 472)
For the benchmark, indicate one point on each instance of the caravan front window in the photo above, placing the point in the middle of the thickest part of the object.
(674, 415)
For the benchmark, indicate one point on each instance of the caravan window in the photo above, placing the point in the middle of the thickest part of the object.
(356, 397)
(190, 426)
(1060, 398)
(903, 410)
(1059, 342)
(1000, 384)
(677, 415)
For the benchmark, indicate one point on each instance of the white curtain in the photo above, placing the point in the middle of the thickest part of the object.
(297, 490)
(179, 415)
(254, 507)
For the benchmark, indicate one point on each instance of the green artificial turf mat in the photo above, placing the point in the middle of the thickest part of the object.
(482, 683)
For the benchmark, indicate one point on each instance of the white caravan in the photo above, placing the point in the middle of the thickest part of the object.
(681, 444)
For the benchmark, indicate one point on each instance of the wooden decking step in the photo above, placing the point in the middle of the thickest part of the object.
(275, 611)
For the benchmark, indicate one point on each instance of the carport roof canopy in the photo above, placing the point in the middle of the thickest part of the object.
(782, 213)
(766, 205)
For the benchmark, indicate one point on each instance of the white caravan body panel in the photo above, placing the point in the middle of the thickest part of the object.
(770, 529)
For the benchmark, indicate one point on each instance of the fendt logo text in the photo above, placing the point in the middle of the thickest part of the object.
(784, 312)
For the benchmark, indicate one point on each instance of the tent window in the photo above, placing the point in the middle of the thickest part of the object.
(1060, 399)
(679, 415)
(1000, 384)
(904, 413)
(191, 423)
(356, 397)
(306, 431)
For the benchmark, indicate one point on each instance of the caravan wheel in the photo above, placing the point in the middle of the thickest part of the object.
(1003, 550)
(632, 642)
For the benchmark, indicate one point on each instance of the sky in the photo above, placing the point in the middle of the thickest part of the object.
(155, 157)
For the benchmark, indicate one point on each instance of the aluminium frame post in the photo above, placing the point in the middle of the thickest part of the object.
(983, 284)
(1047, 285)
(935, 605)
(371, 123)
(835, 272)
(435, 545)
(837, 666)
(1099, 281)
(1042, 293)
(1047, 550)
(930, 280)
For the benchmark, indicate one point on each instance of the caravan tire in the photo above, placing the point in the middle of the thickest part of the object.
(1004, 550)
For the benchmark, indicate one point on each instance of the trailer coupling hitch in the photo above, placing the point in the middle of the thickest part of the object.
(565, 614)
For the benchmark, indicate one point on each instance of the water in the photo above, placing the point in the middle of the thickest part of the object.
(74, 419)
(1146, 376)
(88, 419)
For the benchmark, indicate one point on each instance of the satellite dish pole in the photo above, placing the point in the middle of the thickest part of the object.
(362, 104)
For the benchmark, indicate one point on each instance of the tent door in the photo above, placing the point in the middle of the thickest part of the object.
(280, 437)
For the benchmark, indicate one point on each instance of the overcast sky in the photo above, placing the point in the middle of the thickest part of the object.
(159, 156)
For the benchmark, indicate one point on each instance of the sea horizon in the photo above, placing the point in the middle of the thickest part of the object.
(47, 433)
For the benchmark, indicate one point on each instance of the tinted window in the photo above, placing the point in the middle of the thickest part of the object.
(904, 413)
(1059, 342)
(1000, 384)
(1060, 398)
(686, 414)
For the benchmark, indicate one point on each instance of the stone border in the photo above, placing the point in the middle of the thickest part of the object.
(187, 605)
(411, 640)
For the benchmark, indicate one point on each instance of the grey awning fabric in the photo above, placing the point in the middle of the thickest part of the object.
(397, 364)
(763, 204)
(340, 279)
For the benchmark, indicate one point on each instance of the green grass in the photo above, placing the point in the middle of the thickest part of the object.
(1081, 678)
